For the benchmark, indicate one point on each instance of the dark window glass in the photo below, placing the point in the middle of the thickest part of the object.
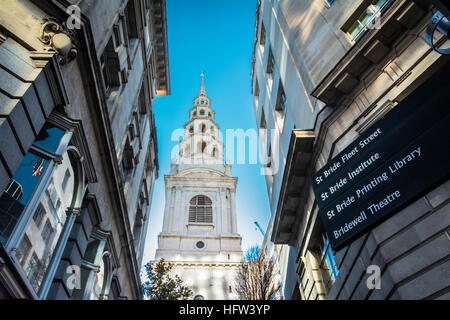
(66, 179)
(263, 123)
(49, 137)
(47, 232)
(256, 88)
(281, 99)
(38, 215)
(270, 62)
(200, 244)
(262, 39)
(23, 250)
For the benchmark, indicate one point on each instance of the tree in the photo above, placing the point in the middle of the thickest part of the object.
(161, 285)
(256, 277)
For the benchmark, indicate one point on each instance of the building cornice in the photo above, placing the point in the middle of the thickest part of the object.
(199, 179)
(159, 27)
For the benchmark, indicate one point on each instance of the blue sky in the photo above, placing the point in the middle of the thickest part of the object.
(215, 36)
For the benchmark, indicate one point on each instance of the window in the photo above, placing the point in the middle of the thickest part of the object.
(270, 63)
(256, 88)
(203, 128)
(262, 38)
(191, 129)
(269, 157)
(14, 189)
(23, 250)
(281, 99)
(131, 131)
(200, 210)
(128, 161)
(365, 18)
(203, 148)
(15, 197)
(202, 112)
(38, 215)
(214, 152)
(40, 201)
(34, 271)
(327, 262)
(47, 232)
(141, 101)
(200, 244)
(263, 123)
(110, 67)
(66, 179)
(130, 13)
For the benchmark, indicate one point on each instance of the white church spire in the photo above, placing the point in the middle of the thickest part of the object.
(202, 85)
(199, 234)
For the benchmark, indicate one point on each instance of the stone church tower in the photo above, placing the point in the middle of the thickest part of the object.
(199, 233)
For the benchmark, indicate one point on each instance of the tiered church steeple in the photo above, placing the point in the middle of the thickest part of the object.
(200, 143)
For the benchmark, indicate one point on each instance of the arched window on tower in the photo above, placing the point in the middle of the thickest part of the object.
(191, 129)
(214, 152)
(202, 112)
(203, 128)
(201, 146)
(200, 210)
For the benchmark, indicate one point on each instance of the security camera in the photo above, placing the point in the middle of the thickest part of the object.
(442, 24)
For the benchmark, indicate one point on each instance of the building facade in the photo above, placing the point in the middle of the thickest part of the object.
(199, 235)
(323, 73)
(78, 144)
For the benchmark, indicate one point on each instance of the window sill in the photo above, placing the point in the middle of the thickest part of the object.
(194, 226)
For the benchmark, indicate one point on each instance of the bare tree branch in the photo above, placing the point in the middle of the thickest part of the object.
(256, 278)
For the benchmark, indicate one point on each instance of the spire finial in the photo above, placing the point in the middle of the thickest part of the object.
(202, 85)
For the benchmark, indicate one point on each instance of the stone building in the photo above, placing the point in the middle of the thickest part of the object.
(323, 73)
(78, 148)
(199, 233)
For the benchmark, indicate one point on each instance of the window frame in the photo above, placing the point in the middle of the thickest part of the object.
(206, 212)
(361, 11)
(65, 145)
